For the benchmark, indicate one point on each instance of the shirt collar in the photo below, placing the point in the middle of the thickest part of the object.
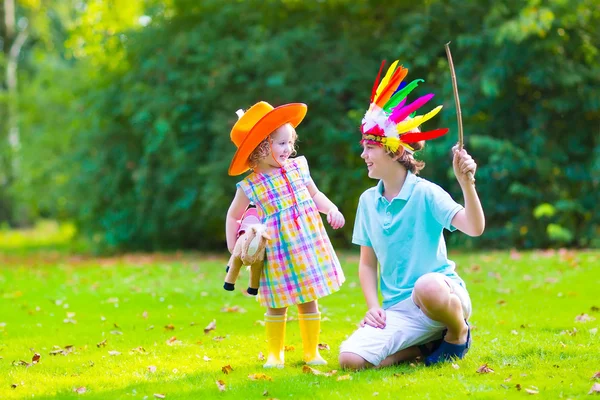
(407, 187)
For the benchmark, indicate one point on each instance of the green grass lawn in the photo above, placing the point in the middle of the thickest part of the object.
(136, 327)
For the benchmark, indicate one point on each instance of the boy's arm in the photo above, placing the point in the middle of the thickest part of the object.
(470, 220)
(326, 206)
(367, 273)
(234, 214)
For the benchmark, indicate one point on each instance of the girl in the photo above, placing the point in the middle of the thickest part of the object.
(399, 225)
(300, 264)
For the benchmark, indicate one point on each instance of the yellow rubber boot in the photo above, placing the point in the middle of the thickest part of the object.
(310, 327)
(275, 326)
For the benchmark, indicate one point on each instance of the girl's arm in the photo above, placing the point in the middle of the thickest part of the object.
(234, 214)
(367, 273)
(326, 206)
(470, 220)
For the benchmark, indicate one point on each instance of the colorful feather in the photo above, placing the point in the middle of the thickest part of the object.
(375, 85)
(413, 137)
(400, 95)
(406, 126)
(399, 114)
(387, 92)
(386, 78)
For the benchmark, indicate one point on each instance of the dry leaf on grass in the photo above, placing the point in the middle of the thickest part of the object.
(211, 326)
(484, 369)
(323, 346)
(259, 377)
(170, 327)
(309, 370)
(226, 369)
(584, 318)
(596, 375)
(289, 348)
(221, 385)
(172, 341)
(80, 390)
(233, 309)
(261, 356)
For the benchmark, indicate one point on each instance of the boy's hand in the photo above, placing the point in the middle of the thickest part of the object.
(463, 163)
(335, 219)
(375, 317)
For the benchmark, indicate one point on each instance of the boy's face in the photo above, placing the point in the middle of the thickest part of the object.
(379, 162)
(282, 145)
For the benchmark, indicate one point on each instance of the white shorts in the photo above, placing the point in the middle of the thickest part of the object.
(406, 326)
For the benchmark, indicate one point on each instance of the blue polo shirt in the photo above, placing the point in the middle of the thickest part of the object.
(406, 234)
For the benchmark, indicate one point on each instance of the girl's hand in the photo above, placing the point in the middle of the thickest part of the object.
(335, 219)
(463, 163)
(375, 317)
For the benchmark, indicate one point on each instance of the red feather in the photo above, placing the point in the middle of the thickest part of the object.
(374, 91)
(413, 137)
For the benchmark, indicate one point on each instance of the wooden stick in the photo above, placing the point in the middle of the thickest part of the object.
(457, 102)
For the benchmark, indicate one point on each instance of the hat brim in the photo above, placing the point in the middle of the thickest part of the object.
(292, 113)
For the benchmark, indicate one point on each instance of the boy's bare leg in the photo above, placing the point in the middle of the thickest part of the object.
(436, 298)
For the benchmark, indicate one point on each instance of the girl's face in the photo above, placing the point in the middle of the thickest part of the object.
(379, 162)
(282, 145)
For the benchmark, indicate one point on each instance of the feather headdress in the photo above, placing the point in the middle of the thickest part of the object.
(387, 121)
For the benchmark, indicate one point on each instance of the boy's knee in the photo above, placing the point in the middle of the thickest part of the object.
(432, 291)
(352, 361)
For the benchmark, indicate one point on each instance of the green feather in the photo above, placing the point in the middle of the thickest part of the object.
(401, 95)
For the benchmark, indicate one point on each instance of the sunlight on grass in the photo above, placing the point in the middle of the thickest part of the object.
(134, 326)
(45, 234)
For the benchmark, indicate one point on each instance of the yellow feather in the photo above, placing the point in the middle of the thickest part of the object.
(392, 143)
(386, 78)
(410, 124)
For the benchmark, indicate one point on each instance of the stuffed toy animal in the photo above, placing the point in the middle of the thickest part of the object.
(249, 250)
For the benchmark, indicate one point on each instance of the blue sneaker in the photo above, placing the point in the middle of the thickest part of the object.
(448, 351)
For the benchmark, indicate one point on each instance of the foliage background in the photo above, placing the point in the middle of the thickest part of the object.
(125, 109)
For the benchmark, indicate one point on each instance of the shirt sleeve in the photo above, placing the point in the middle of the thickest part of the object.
(360, 235)
(444, 208)
(247, 189)
(303, 168)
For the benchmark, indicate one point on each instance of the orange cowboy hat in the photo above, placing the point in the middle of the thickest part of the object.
(255, 125)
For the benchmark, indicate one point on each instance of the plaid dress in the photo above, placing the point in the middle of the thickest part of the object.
(300, 263)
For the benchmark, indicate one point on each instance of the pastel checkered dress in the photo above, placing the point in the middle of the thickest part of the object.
(300, 263)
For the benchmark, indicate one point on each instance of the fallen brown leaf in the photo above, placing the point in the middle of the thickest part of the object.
(138, 350)
(211, 326)
(323, 346)
(595, 388)
(226, 369)
(170, 327)
(484, 369)
(289, 348)
(219, 338)
(172, 341)
(233, 309)
(518, 386)
(596, 375)
(259, 377)
(594, 309)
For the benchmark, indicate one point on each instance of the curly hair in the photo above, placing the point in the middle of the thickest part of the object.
(264, 149)
(407, 160)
